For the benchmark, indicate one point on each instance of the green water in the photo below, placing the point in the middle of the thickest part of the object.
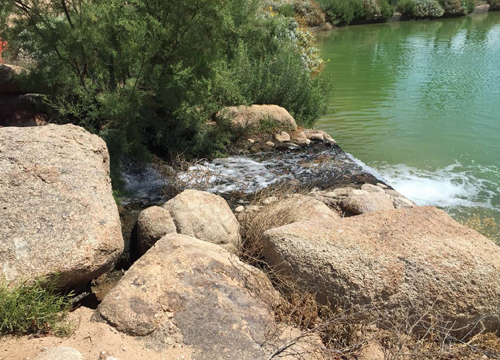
(419, 101)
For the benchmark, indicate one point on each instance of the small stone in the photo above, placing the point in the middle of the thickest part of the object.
(270, 200)
(317, 137)
(270, 144)
(383, 186)
(303, 142)
(251, 141)
(331, 194)
(61, 353)
(299, 135)
(239, 209)
(282, 136)
(372, 188)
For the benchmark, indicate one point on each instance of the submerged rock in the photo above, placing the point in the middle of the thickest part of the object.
(58, 215)
(408, 264)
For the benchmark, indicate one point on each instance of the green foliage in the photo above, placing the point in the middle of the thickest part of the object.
(344, 12)
(427, 9)
(457, 7)
(148, 75)
(34, 308)
(494, 4)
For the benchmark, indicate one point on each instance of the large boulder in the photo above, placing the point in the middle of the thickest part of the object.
(58, 215)
(10, 82)
(408, 264)
(259, 118)
(188, 292)
(21, 110)
(153, 223)
(362, 202)
(205, 216)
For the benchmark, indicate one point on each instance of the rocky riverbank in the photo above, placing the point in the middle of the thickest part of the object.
(325, 262)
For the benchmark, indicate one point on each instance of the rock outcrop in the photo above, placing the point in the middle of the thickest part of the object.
(408, 263)
(259, 117)
(190, 292)
(58, 215)
(205, 216)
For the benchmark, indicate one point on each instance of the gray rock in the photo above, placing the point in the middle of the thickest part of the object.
(153, 224)
(408, 263)
(205, 216)
(61, 353)
(58, 215)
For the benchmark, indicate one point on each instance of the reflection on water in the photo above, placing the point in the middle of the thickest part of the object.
(424, 95)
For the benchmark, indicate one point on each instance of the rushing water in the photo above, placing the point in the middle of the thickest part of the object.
(419, 102)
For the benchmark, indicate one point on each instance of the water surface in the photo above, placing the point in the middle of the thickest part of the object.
(419, 102)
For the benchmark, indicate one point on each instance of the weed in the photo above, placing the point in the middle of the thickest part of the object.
(33, 308)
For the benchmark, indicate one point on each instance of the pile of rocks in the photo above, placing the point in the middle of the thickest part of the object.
(189, 295)
(19, 106)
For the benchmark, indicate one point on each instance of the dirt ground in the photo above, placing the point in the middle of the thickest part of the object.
(91, 339)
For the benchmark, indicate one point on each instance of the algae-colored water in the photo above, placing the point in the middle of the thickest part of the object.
(419, 101)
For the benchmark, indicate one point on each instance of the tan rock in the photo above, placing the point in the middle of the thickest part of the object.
(256, 117)
(297, 135)
(316, 137)
(59, 215)
(60, 353)
(153, 224)
(192, 293)
(205, 216)
(372, 188)
(282, 137)
(270, 144)
(361, 202)
(408, 263)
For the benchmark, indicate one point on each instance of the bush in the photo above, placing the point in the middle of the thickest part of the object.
(427, 9)
(457, 7)
(148, 75)
(344, 12)
(34, 308)
(494, 4)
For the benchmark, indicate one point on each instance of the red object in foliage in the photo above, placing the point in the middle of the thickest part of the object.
(3, 45)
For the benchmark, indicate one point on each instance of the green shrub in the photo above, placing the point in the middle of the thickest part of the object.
(427, 9)
(344, 12)
(406, 7)
(457, 7)
(148, 75)
(494, 4)
(34, 308)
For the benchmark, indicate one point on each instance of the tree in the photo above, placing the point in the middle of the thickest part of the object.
(147, 75)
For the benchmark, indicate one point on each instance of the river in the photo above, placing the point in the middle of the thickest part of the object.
(419, 102)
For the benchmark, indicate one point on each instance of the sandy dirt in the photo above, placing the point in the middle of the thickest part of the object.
(91, 339)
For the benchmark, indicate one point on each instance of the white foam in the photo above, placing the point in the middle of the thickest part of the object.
(448, 187)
